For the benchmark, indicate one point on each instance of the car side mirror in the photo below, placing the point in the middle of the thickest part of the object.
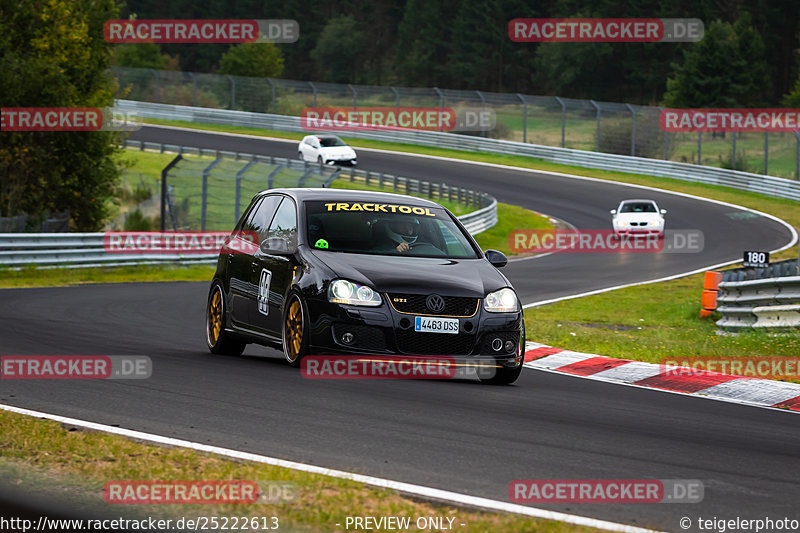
(613, 211)
(497, 259)
(663, 211)
(276, 246)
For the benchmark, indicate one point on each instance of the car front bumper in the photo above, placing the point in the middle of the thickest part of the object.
(385, 331)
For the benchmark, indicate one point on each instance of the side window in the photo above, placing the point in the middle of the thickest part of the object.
(285, 222)
(259, 217)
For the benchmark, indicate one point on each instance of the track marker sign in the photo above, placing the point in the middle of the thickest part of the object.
(756, 259)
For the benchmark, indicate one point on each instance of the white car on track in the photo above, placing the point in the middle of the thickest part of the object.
(638, 217)
(326, 150)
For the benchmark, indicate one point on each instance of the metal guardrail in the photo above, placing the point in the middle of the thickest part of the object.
(768, 185)
(72, 250)
(762, 302)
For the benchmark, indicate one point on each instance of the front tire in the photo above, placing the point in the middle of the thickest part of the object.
(295, 330)
(218, 341)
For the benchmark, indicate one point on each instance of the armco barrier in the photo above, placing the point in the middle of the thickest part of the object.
(768, 302)
(768, 185)
(86, 249)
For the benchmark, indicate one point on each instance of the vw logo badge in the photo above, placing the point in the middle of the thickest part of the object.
(434, 303)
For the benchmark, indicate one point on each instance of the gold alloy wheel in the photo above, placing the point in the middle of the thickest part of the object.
(293, 330)
(214, 327)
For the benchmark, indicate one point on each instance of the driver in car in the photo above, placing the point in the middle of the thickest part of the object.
(403, 233)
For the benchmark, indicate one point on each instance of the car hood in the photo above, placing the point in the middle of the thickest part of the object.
(449, 277)
(338, 151)
(637, 217)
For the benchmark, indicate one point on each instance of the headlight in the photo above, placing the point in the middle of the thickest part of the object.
(502, 301)
(342, 291)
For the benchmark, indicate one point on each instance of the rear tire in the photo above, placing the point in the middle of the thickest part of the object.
(218, 341)
(295, 330)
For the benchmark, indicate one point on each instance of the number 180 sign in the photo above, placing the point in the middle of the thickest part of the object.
(756, 259)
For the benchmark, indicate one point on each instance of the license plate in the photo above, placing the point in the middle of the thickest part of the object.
(426, 324)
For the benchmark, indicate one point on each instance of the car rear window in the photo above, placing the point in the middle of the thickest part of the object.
(380, 228)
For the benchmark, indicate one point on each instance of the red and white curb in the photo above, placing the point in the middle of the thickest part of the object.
(682, 380)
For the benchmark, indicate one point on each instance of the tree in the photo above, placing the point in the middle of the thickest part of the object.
(483, 56)
(144, 55)
(793, 98)
(337, 50)
(423, 43)
(53, 55)
(258, 60)
(726, 69)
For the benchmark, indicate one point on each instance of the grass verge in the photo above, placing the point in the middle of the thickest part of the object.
(61, 277)
(78, 462)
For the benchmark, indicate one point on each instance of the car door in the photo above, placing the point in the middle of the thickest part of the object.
(313, 149)
(242, 290)
(273, 273)
(304, 148)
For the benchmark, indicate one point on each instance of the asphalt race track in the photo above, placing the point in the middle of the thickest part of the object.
(459, 436)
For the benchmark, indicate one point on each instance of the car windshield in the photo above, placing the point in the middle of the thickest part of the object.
(385, 229)
(331, 141)
(638, 207)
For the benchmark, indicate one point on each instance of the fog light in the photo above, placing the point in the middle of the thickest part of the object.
(510, 345)
(497, 345)
(348, 338)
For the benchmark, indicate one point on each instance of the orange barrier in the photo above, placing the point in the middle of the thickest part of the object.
(709, 298)
(711, 280)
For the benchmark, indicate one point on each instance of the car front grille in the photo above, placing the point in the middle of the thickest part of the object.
(414, 304)
(417, 343)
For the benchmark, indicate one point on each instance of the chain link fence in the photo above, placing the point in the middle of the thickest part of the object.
(46, 223)
(207, 190)
(546, 120)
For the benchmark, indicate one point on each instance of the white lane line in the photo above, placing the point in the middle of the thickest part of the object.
(407, 488)
(791, 229)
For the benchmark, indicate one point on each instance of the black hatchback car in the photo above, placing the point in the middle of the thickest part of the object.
(363, 273)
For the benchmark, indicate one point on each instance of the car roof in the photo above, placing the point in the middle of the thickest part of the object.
(320, 193)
